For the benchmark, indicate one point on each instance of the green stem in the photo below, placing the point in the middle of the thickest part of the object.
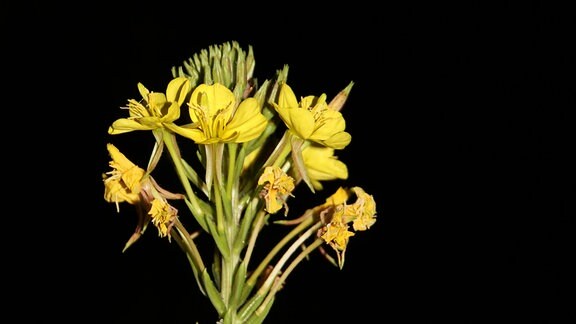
(170, 142)
(255, 231)
(191, 248)
(231, 181)
(280, 152)
(229, 259)
(286, 256)
(278, 283)
(220, 219)
(298, 229)
(247, 310)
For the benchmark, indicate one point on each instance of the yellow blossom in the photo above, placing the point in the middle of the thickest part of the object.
(337, 235)
(337, 214)
(322, 165)
(363, 211)
(157, 109)
(216, 117)
(123, 183)
(312, 119)
(163, 216)
(277, 187)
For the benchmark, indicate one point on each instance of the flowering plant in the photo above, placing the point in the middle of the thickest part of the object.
(238, 150)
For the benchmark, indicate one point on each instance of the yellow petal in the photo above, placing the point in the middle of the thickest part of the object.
(124, 125)
(194, 134)
(248, 121)
(118, 157)
(156, 103)
(177, 90)
(214, 98)
(318, 103)
(143, 91)
(287, 98)
(150, 122)
(338, 141)
(300, 121)
(332, 123)
(328, 169)
(173, 113)
(338, 198)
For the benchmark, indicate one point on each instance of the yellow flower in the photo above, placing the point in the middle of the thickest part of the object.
(123, 183)
(157, 109)
(322, 165)
(336, 234)
(312, 119)
(277, 187)
(216, 117)
(163, 216)
(363, 211)
(337, 214)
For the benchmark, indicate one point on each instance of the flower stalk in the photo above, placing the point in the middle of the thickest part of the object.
(247, 147)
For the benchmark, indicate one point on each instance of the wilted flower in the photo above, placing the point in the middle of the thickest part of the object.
(337, 215)
(163, 216)
(277, 187)
(363, 211)
(123, 183)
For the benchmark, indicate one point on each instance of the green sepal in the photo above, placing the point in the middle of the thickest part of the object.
(296, 143)
(138, 232)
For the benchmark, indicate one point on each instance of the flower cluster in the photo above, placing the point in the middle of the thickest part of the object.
(252, 144)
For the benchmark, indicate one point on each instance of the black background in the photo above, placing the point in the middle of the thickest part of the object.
(462, 119)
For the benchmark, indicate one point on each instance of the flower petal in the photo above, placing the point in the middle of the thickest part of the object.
(248, 121)
(177, 90)
(332, 123)
(287, 98)
(143, 91)
(124, 125)
(173, 113)
(214, 98)
(195, 134)
(338, 141)
(300, 121)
